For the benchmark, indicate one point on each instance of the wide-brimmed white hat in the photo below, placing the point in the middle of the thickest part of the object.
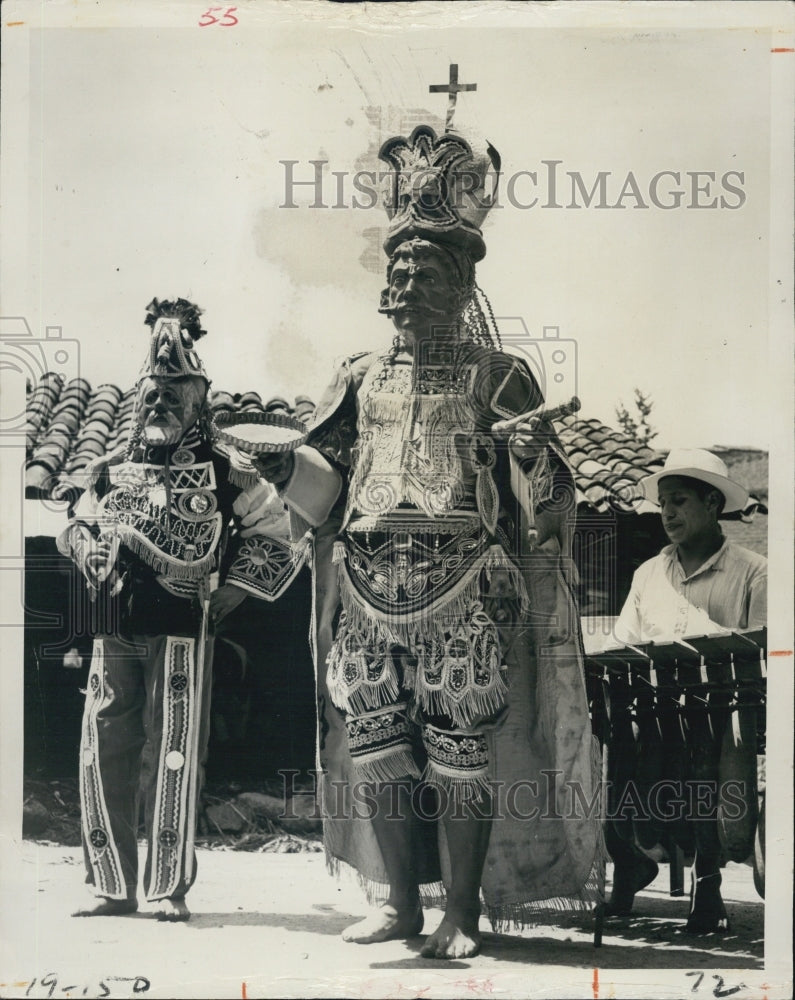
(698, 464)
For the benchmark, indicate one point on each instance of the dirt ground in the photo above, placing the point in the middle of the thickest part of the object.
(267, 924)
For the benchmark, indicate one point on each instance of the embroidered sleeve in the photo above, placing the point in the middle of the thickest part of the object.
(261, 559)
(510, 385)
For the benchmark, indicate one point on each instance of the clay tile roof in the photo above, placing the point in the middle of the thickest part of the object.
(573, 440)
(68, 425)
(588, 471)
(595, 494)
(607, 463)
(577, 457)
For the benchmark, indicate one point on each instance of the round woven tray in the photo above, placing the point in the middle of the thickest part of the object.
(260, 433)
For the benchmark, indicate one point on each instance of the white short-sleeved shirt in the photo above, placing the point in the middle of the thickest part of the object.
(728, 591)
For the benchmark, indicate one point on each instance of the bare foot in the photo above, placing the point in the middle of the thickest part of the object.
(173, 910)
(453, 938)
(385, 924)
(101, 906)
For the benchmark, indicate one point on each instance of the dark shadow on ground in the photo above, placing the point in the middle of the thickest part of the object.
(653, 938)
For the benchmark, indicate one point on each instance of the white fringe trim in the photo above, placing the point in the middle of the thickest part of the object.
(392, 764)
(238, 477)
(161, 562)
(518, 916)
(378, 631)
(497, 558)
(368, 695)
(432, 894)
(477, 701)
(457, 787)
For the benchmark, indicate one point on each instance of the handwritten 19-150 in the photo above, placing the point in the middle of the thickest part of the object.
(51, 985)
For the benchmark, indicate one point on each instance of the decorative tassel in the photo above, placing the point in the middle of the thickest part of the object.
(488, 499)
(241, 477)
(497, 558)
(302, 549)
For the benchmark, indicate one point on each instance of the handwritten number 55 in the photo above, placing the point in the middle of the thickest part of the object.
(226, 20)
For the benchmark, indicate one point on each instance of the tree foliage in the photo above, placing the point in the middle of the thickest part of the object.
(636, 424)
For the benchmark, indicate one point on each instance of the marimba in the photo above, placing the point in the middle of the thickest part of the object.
(652, 701)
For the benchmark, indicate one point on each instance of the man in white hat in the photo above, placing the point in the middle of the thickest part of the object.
(699, 584)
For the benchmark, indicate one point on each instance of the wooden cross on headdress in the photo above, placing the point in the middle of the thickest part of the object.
(452, 88)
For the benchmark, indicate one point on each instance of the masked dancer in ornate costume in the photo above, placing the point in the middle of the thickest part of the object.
(147, 533)
(453, 719)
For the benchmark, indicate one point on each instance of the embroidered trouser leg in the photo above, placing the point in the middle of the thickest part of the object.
(112, 739)
(177, 722)
(382, 740)
(144, 695)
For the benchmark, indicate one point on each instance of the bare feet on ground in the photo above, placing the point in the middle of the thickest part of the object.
(101, 906)
(173, 910)
(385, 924)
(453, 938)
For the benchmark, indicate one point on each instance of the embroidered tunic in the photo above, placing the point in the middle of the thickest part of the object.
(170, 510)
(421, 529)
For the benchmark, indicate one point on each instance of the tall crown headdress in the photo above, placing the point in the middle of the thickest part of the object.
(175, 329)
(439, 183)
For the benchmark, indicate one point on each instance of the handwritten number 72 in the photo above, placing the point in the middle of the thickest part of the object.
(226, 20)
(719, 991)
